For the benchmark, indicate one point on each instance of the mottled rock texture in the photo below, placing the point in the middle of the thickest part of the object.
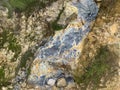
(59, 56)
(57, 59)
(102, 44)
(20, 36)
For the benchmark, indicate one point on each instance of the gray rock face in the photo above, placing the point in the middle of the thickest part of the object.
(55, 60)
(60, 44)
(87, 9)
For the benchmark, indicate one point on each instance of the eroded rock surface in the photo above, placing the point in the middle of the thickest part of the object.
(56, 59)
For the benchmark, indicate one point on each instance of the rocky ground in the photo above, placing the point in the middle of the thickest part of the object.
(21, 36)
(105, 33)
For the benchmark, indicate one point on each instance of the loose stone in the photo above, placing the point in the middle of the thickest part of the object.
(51, 82)
(61, 83)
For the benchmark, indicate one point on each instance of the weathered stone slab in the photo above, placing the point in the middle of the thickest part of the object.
(55, 60)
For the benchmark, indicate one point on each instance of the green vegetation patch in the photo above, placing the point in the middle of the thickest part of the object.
(9, 41)
(54, 24)
(21, 4)
(27, 6)
(95, 70)
(3, 80)
(107, 7)
(2, 76)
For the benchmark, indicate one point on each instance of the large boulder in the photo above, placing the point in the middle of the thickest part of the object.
(57, 58)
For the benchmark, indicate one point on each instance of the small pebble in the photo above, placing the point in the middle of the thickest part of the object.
(4, 88)
(51, 82)
(24, 84)
(61, 82)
